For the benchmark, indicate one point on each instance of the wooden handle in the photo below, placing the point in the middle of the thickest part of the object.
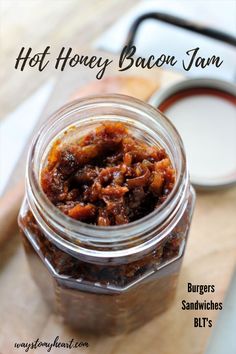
(9, 209)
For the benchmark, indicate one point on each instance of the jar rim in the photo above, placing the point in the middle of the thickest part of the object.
(92, 235)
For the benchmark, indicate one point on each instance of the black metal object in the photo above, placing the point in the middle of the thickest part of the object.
(179, 22)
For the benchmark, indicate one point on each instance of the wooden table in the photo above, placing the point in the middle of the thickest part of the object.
(209, 259)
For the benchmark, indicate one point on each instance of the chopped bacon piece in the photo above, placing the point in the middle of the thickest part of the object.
(107, 177)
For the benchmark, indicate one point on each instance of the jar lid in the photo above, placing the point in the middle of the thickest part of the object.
(204, 113)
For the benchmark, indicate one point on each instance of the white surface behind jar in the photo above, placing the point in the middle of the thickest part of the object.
(155, 37)
(223, 340)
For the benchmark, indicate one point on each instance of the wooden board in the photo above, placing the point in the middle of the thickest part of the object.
(209, 259)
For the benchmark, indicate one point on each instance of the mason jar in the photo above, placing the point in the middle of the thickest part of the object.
(107, 279)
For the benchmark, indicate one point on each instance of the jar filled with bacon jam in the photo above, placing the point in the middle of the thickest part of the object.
(107, 212)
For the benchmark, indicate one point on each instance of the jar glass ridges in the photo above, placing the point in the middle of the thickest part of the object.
(121, 276)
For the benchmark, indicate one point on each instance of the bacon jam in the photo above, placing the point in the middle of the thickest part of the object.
(108, 176)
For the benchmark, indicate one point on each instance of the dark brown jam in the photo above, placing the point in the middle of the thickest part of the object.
(108, 176)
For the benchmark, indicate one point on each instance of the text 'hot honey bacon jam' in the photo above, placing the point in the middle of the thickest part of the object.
(107, 212)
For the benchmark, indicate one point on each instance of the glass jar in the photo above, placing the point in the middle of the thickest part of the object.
(109, 279)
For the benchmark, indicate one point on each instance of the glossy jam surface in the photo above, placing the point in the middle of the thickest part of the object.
(107, 176)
